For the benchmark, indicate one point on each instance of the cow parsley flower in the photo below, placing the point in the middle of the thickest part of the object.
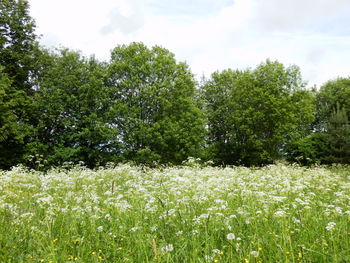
(230, 236)
(330, 226)
(167, 248)
(254, 253)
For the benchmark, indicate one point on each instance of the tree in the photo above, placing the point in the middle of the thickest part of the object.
(12, 131)
(218, 96)
(258, 111)
(309, 150)
(330, 94)
(18, 44)
(18, 49)
(72, 107)
(339, 136)
(154, 105)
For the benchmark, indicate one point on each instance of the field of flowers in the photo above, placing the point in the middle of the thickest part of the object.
(277, 213)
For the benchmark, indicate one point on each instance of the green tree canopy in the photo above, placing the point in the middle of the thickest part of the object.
(339, 136)
(330, 94)
(154, 104)
(18, 44)
(72, 107)
(253, 114)
(18, 68)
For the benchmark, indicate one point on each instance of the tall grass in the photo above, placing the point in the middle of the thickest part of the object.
(127, 214)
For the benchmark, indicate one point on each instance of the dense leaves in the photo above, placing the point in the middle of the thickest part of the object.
(73, 112)
(18, 67)
(253, 114)
(146, 107)
(17, 43)
(154, 105)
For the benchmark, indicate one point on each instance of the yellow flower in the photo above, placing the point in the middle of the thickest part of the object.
(300, 255)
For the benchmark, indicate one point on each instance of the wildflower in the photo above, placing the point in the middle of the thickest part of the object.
(254, 253)
(100, 229)
(134, 229)
(194, 232)
(330, 226)
(230, 236)
(296, 220)
(280, 213)
(216, 251)
(167, 248)
(208, 258)
(179, 233)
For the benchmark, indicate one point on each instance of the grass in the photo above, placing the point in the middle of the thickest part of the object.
(186, 214)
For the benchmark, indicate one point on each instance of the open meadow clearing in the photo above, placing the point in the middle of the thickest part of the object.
(186, 214)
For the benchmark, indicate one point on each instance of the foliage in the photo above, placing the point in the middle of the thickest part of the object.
(330, 94)
(254, 113)
(339, 136)
(154, 105)
(144, 106)
(18, 51)
(17, 43)
(12, 131)
(309, 150)
(72, 107)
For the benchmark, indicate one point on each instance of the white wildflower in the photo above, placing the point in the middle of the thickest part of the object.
(167, 248)
(134, 229)
(194, 232)
(330, 226)
(254, 253)
(100, 229)
(230, 236)
(295, 220)
(179, 233)
(280, 213)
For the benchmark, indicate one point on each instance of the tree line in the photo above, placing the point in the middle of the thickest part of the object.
(58, 106)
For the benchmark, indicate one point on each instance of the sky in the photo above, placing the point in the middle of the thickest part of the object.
(209, 35)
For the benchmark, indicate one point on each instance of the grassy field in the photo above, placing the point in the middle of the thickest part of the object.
(127, 214)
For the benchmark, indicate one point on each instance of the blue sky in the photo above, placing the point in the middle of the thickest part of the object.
(208, 35)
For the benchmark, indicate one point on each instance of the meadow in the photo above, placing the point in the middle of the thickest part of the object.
(278, 213)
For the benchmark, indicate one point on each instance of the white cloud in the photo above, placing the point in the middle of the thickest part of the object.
(238, 34)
